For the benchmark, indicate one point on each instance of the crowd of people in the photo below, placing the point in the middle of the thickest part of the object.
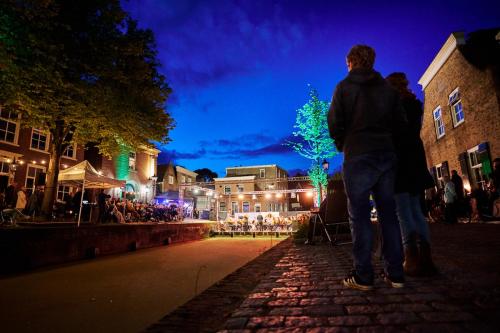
(113, 210)
(262, 223)
(28, 202)
(452, 201)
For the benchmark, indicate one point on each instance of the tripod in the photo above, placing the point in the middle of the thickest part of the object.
(322, 215)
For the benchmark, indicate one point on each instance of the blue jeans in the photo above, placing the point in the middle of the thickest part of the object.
(373, 173)
(411, 218)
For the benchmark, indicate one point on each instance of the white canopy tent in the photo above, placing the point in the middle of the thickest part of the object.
(86, 175)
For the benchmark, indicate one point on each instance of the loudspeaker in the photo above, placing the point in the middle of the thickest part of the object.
(335, 204)
(40, 179)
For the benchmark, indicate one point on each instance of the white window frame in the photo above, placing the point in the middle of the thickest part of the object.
(65, 190)
(170, 179)
(227, 189)
(47, 140)
(240, 188)
(438, 122)
(73, 157)
(132, 166)
(257, 207)
(4, 164)
(454, 100)
(262, 173)
(34, 166)
(222, 206)
(476, 166)
(247, 204)
(439, 175)
(189, 180)
(16, 123)
(234, 207)
(183, 179)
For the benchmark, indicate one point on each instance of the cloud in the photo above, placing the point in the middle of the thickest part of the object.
(167, 155)
(200, 43)
(237, 148)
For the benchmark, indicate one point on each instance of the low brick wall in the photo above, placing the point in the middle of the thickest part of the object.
(25, 248)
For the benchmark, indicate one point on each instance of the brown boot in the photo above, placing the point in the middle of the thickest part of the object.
(410, 264)
(425, 263)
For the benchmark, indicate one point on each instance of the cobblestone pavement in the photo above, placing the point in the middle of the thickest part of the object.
(297, 288)
(303, 292)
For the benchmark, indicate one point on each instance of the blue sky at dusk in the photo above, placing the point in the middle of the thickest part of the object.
(239, 70)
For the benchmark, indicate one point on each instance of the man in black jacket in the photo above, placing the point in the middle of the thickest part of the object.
(366, 121)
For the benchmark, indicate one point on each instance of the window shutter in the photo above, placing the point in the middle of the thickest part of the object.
(464, 165)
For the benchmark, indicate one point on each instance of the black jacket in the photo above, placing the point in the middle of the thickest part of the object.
(365, 114)
(412, 175)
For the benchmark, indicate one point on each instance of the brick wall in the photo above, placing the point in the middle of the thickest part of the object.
(481, 112)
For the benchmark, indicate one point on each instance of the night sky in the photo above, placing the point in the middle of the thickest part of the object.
(240, 69)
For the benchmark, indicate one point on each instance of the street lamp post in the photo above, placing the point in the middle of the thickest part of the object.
(325, 166)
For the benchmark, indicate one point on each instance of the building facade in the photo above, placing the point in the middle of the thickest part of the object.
(252, 189)
(174, 182)
(137, 168)
(461, 121)
(24, 155)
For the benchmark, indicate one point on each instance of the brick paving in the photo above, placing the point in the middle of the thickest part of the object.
(302, 291)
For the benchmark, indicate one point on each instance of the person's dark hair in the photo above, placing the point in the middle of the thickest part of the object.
(361, 56)
(399, 82)
(454, 172)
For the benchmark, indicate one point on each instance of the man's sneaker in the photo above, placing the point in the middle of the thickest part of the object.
(354, 282)
(394, 282)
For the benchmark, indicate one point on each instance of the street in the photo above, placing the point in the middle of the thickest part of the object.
(123, 293)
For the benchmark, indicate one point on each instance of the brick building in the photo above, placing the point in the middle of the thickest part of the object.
(173, 181)
(137, 168)
(24, 154)
(461, 122)
(259, 188)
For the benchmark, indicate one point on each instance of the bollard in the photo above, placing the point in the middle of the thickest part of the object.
(277, 234)
(254, 234)
(232, 234)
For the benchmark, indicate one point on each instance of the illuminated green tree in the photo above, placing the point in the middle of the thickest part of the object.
(84, 72)
(314, 140)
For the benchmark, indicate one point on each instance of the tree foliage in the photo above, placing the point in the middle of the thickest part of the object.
(83, 71)
(314, 140)
(205, 175)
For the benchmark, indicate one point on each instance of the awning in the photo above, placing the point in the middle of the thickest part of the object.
(84, 173)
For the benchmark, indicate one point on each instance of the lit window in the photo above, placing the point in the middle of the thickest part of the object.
(183, 179)
(70, 151)
(131, 160)
(39, 140)
(438, 122)
(457, 112)
(33, 175)
(4, 168)
(8, 126)
(170, 179)
(257, 207)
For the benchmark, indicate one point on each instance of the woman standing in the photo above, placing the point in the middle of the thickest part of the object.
(411, 180)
